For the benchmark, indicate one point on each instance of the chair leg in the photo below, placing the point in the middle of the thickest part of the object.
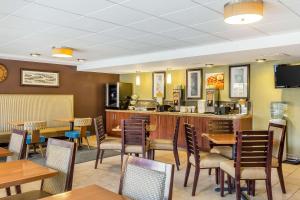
(209, 171)
(269, 189)
(238, 189)
(222, 182)
(27, 151)
(196, 177)
(97, 158)
(87, 141)
(281, 180)
(101, 156)
(248, 182)
(229, 184)
(8, 191)
(41, 150)
(176, 156)
(187, 173)
(149, 154)
(18, 189)
(217, 175)
(153, 154)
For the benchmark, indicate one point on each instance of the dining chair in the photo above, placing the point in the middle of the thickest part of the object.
(167, 145)
(134, 138)
(203, 161)
(34, 137)
(223, 126)
(17, 145)
(104, 142)
(77, 135)
(146, 179)
(279, 131)
(60, 155)
(252, 162)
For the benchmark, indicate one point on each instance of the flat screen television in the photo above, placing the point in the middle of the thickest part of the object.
(287, 76)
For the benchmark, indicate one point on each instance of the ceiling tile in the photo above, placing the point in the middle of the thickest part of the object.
(294, 5)
(204, 40)
(50, 15)
(120, 15)
(282, 26)
(9, 6)
(127, 44)
(97, 38)
(182, 33)
(159, 7)
(193, 16)
(24, 24)
(91, 24)
(244, 33)
(77, 6)
(124, 33)
(154, 25)
(154, 39)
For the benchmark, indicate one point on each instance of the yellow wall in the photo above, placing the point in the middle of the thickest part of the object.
(262, 93)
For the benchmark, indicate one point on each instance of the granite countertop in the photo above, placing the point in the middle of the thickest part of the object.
(229, 116)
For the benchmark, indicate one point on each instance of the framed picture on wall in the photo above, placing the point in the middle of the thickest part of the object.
(30, 77)
(158, 84)
(194, 83)
(239, 81)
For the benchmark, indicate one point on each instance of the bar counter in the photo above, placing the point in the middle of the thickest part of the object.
(165, 123)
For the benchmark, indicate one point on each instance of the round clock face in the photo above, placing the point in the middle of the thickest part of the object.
(3, 73)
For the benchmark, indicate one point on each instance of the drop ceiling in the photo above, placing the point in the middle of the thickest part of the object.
(106, 32)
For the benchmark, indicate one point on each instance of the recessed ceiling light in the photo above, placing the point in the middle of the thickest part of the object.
(243, 11)
(209, 65)
(35, 54)
(62, 52)
(261, 60)
(81, 60)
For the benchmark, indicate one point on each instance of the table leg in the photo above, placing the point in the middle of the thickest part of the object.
(71, 126)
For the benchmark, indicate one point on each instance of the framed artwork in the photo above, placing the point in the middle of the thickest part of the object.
(158, 84)
(30, 77)
(214, 81)
(194, 83)
(239, 81)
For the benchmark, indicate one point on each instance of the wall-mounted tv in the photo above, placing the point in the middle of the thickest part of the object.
(287, 76)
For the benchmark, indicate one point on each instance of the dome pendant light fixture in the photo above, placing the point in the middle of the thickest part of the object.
(62, 52)
(243, 11)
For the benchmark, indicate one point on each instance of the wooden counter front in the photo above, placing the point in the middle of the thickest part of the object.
(165, 123)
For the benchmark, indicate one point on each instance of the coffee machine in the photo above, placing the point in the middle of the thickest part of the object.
(212, 100)
(177, 99)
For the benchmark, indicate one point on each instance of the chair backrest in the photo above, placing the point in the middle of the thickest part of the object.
(146, 118)
(34, 127)
(254, 149)
(83, 123)
(192, 146)
(60, 156)
(17, 145)
(99, 129)
(220, 126)
(146, 179)
(279, 131)
(133, 133)
(176, 132)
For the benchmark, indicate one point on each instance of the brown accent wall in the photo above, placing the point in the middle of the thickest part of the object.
(88, 88)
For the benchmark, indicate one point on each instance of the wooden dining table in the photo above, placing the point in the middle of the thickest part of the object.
(149, 128)
(23, 171)
(91, 192)
(5, 152)
(69, 120)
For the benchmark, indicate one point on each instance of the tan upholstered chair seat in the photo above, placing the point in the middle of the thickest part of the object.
(208, 160)
(111, 144)
(161, 144)
(136, 148)
(223, 150)
(275, 162)
(36, 194)
(5, 136)
(246, 172)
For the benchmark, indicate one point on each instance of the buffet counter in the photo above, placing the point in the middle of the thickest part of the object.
(165, 123)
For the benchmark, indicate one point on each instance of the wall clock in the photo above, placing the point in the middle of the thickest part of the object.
(3, 73)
